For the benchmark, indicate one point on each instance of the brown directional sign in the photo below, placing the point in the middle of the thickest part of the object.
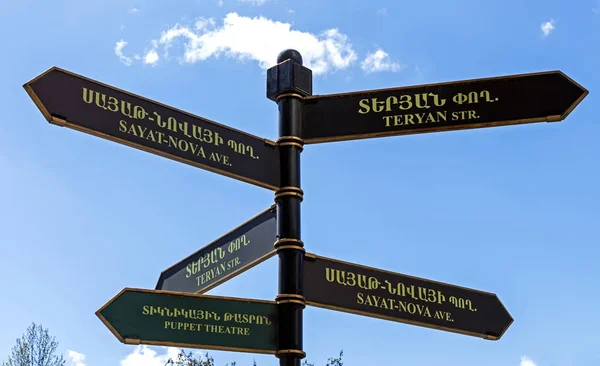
(235, 252)
(86, 105)
(163, 318)
(517, 99)
(352, 288)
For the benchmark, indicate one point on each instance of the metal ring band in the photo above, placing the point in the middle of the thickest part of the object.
(288, 193)
(289, 296)
(281, 352)
(288, 95)
(289, 138)
(288, 247)
(297, 242)
(298, 302)
(292, 143)
(289, 188)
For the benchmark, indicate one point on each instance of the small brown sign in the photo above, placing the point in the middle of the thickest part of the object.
(352, 288)
(509, 100)
(70, 100)
(230, 255)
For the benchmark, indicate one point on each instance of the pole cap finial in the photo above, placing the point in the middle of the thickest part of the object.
(290, 54)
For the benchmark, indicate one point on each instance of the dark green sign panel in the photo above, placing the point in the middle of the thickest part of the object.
(337, 285)
(162, 318)
(517, 99)
(86, 105)
(235, 252)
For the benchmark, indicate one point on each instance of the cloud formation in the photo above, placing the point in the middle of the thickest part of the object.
(547, 28)
(144, 356)
(258, 39)
(74, 358)
(379, 61)
(525, 361)
(119, 52)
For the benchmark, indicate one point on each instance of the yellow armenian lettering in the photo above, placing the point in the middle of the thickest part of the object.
(88, 95)
(236, 244)
(473, 97)
(246, 318)
(347, 278)
(113, 104)
(363, 103)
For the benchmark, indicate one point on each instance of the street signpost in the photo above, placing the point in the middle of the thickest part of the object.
(70, 100)
(233, 253)
(352, 288)
(500, 101)
(163, 318)
(182, 317)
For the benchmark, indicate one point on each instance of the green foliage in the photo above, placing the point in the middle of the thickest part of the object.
(188, 359)
(35, 348)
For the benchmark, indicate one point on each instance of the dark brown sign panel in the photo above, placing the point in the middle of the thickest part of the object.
(517, 99)
(86, 105)
(347, 287)
(235, 252)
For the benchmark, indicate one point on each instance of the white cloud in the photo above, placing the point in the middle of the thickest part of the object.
(379, 61)
(133, 10)
(525, 361)
(144, 356)
(151, 57)
(382, 11)
(75, 358)
(119, 52)
(547, 27)
(258, 39)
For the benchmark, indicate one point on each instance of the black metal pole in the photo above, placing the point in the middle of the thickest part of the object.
(288, 83)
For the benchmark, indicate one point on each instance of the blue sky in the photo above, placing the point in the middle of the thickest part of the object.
(510, 210)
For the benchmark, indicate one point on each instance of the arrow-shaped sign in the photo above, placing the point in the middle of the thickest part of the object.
(352, 288)
(235, 252)
(509, 100)
(70, 100)
(162, 318)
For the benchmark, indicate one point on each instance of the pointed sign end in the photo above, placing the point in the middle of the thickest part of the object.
(583, 93)
(28, 86)
(48, 71)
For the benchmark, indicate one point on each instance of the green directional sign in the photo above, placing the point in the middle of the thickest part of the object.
(163, 318)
